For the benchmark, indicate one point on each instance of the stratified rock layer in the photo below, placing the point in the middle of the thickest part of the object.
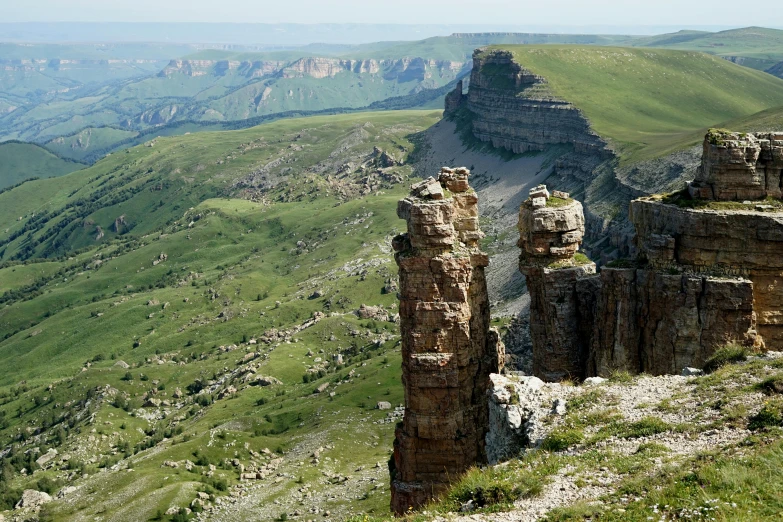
(704, 278)
(514, 110)
(739, 244)
(448, 350)
(740, 166)
(653, 321)
(551, 228)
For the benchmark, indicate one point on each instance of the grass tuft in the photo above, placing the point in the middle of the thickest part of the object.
(731, 353)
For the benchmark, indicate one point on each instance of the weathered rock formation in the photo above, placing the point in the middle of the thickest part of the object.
(737, 167)
(516, 415)
(551, 230)
(704, 276)
(448, 350)
(514, 109)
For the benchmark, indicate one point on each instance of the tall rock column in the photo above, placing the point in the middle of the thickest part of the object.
(448, 350)
(551, 229)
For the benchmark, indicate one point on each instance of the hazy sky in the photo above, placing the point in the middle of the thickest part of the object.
(517, 12)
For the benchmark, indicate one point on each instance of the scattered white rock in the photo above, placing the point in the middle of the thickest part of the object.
(32, 499)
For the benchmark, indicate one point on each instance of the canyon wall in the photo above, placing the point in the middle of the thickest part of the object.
(404, 69)
(448, 349)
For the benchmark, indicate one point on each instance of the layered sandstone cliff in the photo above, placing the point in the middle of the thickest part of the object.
(706, 275)
(448, 350)
(513, 109)
(740, 166)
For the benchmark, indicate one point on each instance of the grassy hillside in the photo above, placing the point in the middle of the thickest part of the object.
(89, 144)
(645, 101)
(151, 335)
(755, 47)
(461, 46)
(21, 161)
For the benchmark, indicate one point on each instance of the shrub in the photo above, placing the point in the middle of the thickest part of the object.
(645, 427)
(772, 385)
(731, 353)
(770, 415)
(485, 488)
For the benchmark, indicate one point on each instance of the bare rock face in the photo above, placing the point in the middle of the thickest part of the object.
(33, 499)
(704, 278)
(659, 322)
(516, 415)
(548, 233)
(448, 350)
(514, 110)
(551, 228)
(743, 245)
(739, 166)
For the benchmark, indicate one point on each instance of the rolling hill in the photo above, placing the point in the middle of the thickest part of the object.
(22, 161)
(756, 47)
(181, 269)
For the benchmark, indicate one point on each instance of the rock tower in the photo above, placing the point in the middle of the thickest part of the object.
(708, 273)
(551, 228)
(448, 349)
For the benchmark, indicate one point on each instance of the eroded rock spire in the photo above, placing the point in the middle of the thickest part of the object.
(448, 349)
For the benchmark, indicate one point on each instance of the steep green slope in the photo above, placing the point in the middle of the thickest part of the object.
(231, 243)
(643, 100)
(21, 161)
(755, 47)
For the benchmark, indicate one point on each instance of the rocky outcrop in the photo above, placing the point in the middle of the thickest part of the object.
(195, 68)
(732, 244)
(740, 166)
(404, 69)
(657, 322)
(704, 277)
(448, 350)
(551, 229)
(454, 99)
(516, 415)
(513, 109)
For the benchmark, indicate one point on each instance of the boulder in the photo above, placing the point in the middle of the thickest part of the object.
(33, 499)
(515, 416)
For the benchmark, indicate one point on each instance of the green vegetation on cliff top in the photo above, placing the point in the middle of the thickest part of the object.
(646, 101)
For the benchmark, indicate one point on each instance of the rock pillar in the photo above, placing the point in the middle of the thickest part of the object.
(448, 350)
(551, 228)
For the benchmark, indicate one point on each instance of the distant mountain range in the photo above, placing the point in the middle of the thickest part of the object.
(85, 100)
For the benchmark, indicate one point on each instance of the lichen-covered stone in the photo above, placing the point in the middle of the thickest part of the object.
(448, 350)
